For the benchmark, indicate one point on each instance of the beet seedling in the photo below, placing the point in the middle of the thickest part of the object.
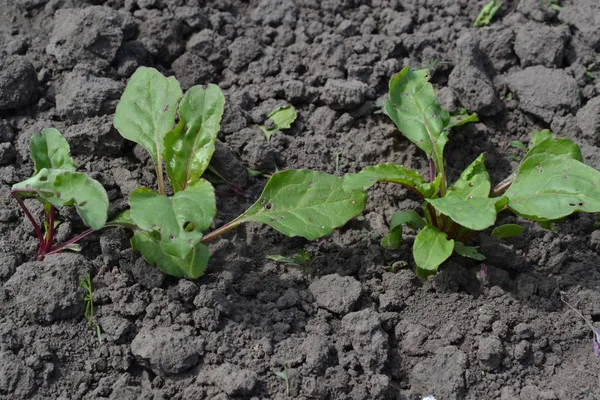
(169, 230)
(550, 183)
(89, 306)
(56, 184)
(279, 119)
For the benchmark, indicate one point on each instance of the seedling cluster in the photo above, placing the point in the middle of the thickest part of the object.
(170, 224)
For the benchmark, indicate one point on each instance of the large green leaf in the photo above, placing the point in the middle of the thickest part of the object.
(556, 146)
(191, 267)
(476, 213)
(414, 109)
(282, 118)
(147, 109)
(549, 187)
(393, 239)
(387, 172)
(190, 146)
(305, 203)
(67, 188)
(179, 220)
(50, 150)
(474, 180)
(431, 248)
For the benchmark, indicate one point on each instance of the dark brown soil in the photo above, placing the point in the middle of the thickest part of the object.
(350, 328)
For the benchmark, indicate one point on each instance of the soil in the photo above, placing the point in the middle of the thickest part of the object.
(351, 327)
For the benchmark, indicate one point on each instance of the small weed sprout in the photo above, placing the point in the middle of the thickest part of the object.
(285, 376)
(89, 306)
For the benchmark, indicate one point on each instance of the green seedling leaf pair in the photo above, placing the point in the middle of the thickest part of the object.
(55, 184)
(550, 183)
(179, 131)
(487, 13)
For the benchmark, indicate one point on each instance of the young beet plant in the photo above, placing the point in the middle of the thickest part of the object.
(550, 183)
(169, 231)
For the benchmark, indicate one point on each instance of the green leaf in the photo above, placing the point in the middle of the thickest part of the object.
(178, 221)
(50, 150)
(549, 187)
(67, 188)
(539, 136)
(556, 146)
(476, 213)
(414, 109)
(282, 118)
(507, 230)
(191, 267)
(393, 240)
(281, 259)
(190, 146)
(123, 218)
(467, 251)
(519, 145)
(387, 172)
(461, 118)
(474, 181)
(430, 250)
(487, 13)
(305, 203)
(147, 109)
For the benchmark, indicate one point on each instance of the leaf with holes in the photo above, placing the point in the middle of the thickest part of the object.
(190, 146)
(191, 267)
(414, 109)
(305, 203)
(548, 187)
(282, 118)
(178, 221)
(474, 181)
(50, 150)
(67, 188)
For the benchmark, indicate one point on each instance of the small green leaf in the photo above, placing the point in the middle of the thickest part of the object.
(191, 267)
(305, 203)
(147, 109)
(549, 187)
(507, 231)
(180, 220)
(387, 172)
(476, 213)
(67, 188)
(519, 145)
(539, 136)
(50, 150)
(281, 259)
(431, 248)
(487, 13)
(281, 374)
(474, 180)
(123, 218)
(190, 146)
(393, 240)
(467, 251)
(282, 118)
(461, 118)
(414, 109)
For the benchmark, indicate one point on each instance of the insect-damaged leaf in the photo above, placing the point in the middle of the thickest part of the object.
(190, 146)
(178, 221)
(549, 187)
(305, 203)
(474, 180)
(282, 118)
(415, 110)
(147, 109)
(50, 150)
(387, 172)
(191, 267)
(431, 248)
(393, 239)
(67, 188)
